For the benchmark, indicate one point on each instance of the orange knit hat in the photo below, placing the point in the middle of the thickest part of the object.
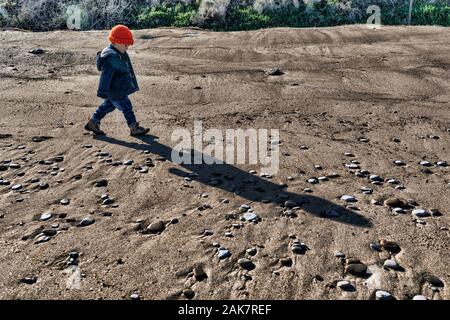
(120, 34)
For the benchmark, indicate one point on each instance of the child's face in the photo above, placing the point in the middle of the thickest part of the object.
(121, 47)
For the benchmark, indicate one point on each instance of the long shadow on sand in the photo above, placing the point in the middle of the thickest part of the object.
(244, 184)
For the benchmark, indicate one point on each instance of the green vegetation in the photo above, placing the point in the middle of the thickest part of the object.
(219, 15)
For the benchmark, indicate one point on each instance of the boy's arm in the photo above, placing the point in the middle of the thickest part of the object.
(105, 81)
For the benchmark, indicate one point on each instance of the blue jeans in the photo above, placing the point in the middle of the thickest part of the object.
(108, 106)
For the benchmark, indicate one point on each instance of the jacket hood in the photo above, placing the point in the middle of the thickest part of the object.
(103, 55)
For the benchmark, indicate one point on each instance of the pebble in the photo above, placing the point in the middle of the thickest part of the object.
(199, 273)
(244, 208)
(303, 147)
(246, 264)
(29, 280)
(399, 163)
(383, 295)
(42, 239)
(375, 247)
(348, 198)
(442, 163)
(390, 264)
(420, 213)
(299, 248)
(86, 222)
(339, 254)
(128, 162)
(64, 202)
(49, 232)
(375, 177)
(223, 254)
(419, 297)
(275, 72)
(14, 166)
(101, 183)
(108, 201)
(309, 190)
(250, 216)
(344, 285)
(286, 262)
(433, 280)
(313, 180)
(135, 297)
(399, 210)
(189, 294)
(16, 187)
(251, 251)
(366, 190)
(426, 163)
(351, 166)
(144, 169)
(356, 269)
(435, 212)
(228, 235)
(348, 154)
(36, 51)
(46, 216)
(390, 246)
(156, 227)
(395, 202)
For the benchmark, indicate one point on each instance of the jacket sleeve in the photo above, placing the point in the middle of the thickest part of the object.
(105, 81)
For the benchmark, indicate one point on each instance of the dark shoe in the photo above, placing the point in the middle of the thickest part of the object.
(137, 130)
(91, 126)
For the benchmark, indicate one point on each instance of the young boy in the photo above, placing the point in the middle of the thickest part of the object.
(117, 82)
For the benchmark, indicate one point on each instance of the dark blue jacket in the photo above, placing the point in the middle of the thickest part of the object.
(117, 80)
